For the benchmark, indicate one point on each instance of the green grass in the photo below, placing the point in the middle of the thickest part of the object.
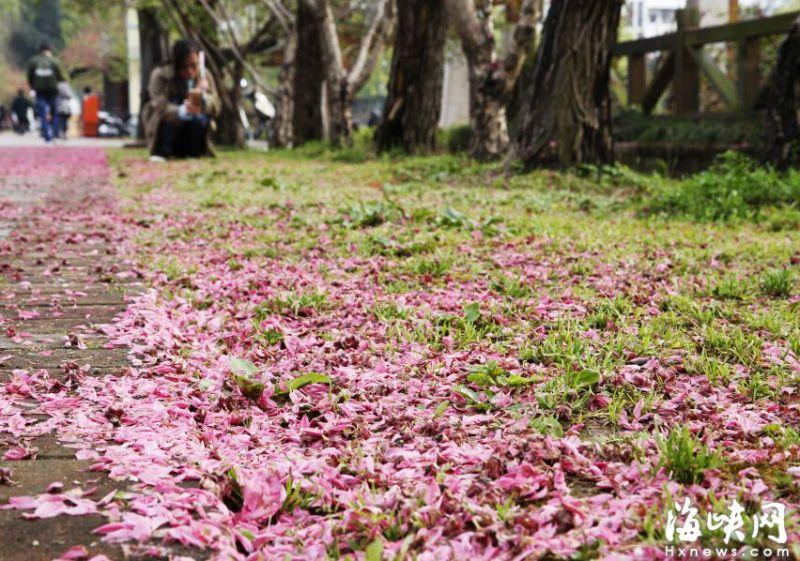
(685, 458)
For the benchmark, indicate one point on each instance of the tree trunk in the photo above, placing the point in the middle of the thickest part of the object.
(154, 45)
(413, 106)
(491, 81)
(782, 146)
(567, 109)
(283, 128)
(340, 114)
(308, 80)
(230, 129)
(487, 110)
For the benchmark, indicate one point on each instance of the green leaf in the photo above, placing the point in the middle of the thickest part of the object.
(515, 381)
(586, 379)
(374, 551)
(303, 380)
(441, 408)
(243, 371)
(480, 379)
(249, 388)
(243, 367)
(468, 394)
(548, 426)
(472, 312)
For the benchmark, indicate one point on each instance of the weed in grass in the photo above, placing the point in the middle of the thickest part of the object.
(513, 287)
(732, 345)
(685, 457)
(757, 384)
(437, 266)
(379, 245)
(464, 330)
(609, 312)
(389, 311)
(777, 283)
(491, 375)
(571, 391)
(294, 303)
(719, 373)
(363, 214)
(548, 426)
(268, 337)
(730, 288)
(272, 182)
(784, 437)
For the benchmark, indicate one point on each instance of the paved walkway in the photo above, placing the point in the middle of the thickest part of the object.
(32, 140)
(59, 277)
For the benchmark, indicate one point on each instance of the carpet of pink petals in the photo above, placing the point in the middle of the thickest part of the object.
(374, 455)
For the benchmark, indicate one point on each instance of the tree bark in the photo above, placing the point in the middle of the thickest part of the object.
(154, 44)
(282, 135)
(308, 78)
(567, 108)
(230, 129)
(413, 106)
(342, 85)
(491, 81)
(782, 146)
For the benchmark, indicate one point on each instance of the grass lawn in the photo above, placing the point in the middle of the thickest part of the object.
(436, 360)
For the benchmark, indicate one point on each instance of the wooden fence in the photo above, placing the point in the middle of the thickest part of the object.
(684, 59)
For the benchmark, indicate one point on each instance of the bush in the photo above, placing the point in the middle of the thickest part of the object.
(734, 187)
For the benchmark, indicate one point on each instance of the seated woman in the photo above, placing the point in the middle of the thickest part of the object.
(180, 113)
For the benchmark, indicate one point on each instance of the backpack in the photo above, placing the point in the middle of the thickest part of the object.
(44, 74)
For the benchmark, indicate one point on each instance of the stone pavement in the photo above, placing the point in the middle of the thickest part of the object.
(59, 277)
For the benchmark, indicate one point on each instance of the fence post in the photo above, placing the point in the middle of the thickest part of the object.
(637, 78)
(748, 62)
(686, 85)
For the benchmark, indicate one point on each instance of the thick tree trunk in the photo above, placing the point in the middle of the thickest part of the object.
(413, 106)
(309, 79)
(154, 45)
(491, 81)
(487, 109)
(230, 129)
(283, 128)
(567, 109)
(782, 146)
(340, 114)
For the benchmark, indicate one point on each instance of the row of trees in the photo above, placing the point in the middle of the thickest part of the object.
(329, 49)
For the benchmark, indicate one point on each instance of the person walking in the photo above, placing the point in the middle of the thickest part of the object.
(44, 75)
(64, 109)
(20, 106)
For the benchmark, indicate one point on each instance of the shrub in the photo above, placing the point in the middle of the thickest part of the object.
(734, 187)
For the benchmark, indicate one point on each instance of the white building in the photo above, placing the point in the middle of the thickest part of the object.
(648, 18)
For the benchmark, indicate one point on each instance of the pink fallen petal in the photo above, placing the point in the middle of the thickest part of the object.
(20, 452)
(74, 553)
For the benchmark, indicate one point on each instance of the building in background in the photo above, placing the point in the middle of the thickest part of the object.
(648, 18)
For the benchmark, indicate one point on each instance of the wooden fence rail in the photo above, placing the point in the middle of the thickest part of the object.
(684, 59)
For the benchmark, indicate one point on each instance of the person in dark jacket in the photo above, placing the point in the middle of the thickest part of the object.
(44, 75)
(180, 115)
(19, 110)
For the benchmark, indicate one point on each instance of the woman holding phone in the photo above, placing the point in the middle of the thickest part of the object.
(180, 114)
